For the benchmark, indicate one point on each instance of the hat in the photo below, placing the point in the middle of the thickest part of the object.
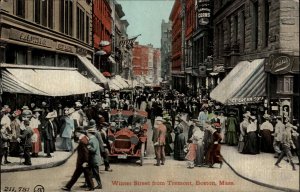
(17, 113)
(26, 113)
(252, 117)
(159, 118)
(6, 109)
(92, 124)
(51, 115)
(231, 113)
(78, 104)
(266, 116)
(247, 114)
(25, 108)
(71, 110)
(106, 95)
(37, 110)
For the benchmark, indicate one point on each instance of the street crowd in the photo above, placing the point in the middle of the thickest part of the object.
(29, 130)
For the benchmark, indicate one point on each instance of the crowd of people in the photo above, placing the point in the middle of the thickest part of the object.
(30, 130)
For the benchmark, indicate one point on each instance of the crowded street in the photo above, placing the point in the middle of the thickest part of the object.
(149, 95)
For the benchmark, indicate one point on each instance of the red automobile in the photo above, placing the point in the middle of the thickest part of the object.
(128, 140)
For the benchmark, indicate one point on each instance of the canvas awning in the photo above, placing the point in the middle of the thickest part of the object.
(122, 81)
(93, 70)
(49, 82)
(246, 83)
(113, 86)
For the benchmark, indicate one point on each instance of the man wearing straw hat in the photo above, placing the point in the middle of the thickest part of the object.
(159, 140)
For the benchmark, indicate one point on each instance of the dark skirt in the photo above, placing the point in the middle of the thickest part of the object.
(214, 154)
(266, 141)
(251, 143)
(179, 143)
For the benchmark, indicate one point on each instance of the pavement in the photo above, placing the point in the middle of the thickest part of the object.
(258, 168)
(59, 157)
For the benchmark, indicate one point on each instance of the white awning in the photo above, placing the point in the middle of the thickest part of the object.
(246, 83)
(112, 86)
(122, 81)
(117, 83)
(49, 82)
(93, 70)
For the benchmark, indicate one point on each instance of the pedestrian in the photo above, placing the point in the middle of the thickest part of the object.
(223, 126)
(16, 132)
(179, 141)
(5, 134)
(214, 150)
(203, 116)
(159, 140)
(198, 137)
(49, 133)
(243, 131)
(35, 123)
(25, 139)
(287, 143)
(266, 130)
(251, 142)
(231, 133)
(279, 128)
(82, 161)
(169, 140)
(68, 129)
(94, 152)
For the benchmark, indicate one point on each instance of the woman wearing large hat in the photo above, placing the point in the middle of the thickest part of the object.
(266, 130)
(231, 131)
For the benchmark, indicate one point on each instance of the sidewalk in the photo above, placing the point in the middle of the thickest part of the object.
(260, 169)
(59, 157)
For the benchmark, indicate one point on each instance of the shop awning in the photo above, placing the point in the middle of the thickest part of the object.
(246, 83)
(112, 86)
(49, 82)
(93, 70)
(122, 81)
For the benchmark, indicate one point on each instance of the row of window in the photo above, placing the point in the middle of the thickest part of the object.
(44, 15)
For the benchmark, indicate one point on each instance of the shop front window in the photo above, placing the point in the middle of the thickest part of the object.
(43, 58)
(285, 84)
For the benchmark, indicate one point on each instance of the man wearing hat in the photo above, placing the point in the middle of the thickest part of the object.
(78, 114)
(82, 162)
(94, 149)
(266, 130)
(68, 129)
(49, 132)
(16, 131)
(279, 129)
(25, 137)
(159, 140)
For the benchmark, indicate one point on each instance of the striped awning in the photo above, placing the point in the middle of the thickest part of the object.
(48, 82)
(246, 83)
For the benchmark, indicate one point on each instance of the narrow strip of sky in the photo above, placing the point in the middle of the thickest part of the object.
(145, 18)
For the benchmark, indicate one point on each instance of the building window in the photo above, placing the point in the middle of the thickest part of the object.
(266, 22)
(229, 31)
(87, 38)
(243, 28)
(66, 11)
(80, 24)
(43, 12)
(236, 29)
(255, 25)
(285, 84)
(20, 8)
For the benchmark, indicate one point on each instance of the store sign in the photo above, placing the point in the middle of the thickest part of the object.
(245, 100)
(204, 12)
(29, 38)
(65, 47)
(279, 64)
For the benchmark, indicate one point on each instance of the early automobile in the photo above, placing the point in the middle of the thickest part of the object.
(127, 134)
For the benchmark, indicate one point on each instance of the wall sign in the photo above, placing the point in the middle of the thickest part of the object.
(280, 64)
(204, 12)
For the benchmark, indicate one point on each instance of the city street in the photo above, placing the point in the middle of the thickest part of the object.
(130, 177)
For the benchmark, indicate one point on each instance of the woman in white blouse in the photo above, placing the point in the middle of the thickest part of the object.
(251, 142)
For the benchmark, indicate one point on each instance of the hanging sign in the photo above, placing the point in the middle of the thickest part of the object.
(204, 12)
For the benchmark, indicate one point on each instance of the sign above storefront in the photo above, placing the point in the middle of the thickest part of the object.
(245, 100)
(281, 63)
(204, 12)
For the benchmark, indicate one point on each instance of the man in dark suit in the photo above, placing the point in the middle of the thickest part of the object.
(49, 134)
(82, 165)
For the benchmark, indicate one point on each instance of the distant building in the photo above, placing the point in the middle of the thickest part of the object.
(166, 44)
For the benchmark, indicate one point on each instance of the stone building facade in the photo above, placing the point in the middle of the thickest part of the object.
(166, 28)
(262, 29)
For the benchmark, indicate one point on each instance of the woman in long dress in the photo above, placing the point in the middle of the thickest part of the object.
(251, 142)
(243, 131)
(36, 138)
(223, 126)
(214, 151)
(231, 134)
(266, 130)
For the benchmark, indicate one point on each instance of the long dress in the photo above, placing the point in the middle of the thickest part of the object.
(214, 152)
(14, 144)
(223, 127)
(197, 138)
(169, 140)
(266, 137)
(36, 138)
(179, 143)
(251, 141)
(231, 135)
(243, 129)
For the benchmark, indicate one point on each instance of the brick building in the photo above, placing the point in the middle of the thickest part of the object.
(178, 77)
(166, 29)
(102, 31)
(140, 54)
(262, 35)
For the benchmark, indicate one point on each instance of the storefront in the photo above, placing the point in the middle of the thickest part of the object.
(283, 86)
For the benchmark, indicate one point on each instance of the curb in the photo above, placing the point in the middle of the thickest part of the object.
(260, 183)
(42, 166)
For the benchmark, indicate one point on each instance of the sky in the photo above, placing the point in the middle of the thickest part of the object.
(145, 18)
